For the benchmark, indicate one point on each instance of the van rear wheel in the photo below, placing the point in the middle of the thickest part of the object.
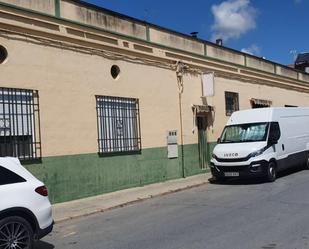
(271, 172)
(306, 165)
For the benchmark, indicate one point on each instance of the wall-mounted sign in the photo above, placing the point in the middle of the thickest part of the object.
(208, 80)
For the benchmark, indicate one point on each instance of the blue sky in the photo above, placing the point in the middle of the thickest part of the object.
(268, 28)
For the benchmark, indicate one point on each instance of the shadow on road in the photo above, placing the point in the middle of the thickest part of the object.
(290, 171)
(43, 245)
(253, 181)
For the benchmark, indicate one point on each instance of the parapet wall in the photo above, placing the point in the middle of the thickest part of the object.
(44, 6)
(86, 14)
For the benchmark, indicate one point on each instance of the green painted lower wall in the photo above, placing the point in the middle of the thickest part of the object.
(79, 176)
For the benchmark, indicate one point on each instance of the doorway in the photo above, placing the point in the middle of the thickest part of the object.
(202, 141)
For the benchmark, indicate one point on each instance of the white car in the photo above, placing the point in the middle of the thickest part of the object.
(25, 210)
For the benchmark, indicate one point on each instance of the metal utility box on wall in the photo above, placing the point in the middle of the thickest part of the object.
(172, 145)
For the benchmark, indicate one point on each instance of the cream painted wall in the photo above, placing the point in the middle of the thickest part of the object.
(68, 82)
(278, 96)
(191, 96)
(76, 19)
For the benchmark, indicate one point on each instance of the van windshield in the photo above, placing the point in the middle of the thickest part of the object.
(244, 133)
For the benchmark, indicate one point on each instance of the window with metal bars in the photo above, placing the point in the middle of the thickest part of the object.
(19, 124)
(231, 103)
(118, 124)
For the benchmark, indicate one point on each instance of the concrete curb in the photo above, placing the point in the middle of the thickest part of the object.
(102, 203)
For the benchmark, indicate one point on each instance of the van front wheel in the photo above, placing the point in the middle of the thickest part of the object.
(271, 172)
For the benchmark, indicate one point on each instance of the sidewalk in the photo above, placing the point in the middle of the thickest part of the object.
(101, 203)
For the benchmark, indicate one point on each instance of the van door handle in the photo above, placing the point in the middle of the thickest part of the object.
(282, 146)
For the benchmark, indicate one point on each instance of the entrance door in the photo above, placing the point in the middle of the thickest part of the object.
(202, 141)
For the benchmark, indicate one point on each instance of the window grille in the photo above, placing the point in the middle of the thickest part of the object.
(260, 103)
(231, 103)
(19, 124)
(118, 124)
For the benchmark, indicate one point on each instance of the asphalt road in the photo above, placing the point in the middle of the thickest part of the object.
(234, 215)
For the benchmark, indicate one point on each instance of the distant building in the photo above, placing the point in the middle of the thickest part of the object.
(302, 62)
(93, 101)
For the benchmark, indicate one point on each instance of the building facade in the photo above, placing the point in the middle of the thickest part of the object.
(93, 101)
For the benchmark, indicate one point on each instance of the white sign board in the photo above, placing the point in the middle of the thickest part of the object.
(208, 84)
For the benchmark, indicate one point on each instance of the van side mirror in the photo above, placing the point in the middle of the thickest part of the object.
(274, 137)
(272, 141)
(274, 134)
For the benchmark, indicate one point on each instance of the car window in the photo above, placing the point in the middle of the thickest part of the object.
(9, 177)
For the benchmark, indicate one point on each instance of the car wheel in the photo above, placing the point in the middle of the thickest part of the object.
(15, 233)
(271, 172)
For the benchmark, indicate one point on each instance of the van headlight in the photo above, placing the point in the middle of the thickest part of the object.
(213, 155)
(257, 153)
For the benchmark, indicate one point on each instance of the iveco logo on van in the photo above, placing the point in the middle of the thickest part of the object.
(230, 154)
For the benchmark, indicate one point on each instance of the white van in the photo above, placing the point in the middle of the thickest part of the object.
(261, 142)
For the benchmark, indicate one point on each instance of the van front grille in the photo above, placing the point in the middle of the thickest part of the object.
(232, 160)
(231, 168)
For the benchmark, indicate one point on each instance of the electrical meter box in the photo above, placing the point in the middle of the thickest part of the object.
(172, 144)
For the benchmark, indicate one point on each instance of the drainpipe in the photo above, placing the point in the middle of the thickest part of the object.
(179, 74)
